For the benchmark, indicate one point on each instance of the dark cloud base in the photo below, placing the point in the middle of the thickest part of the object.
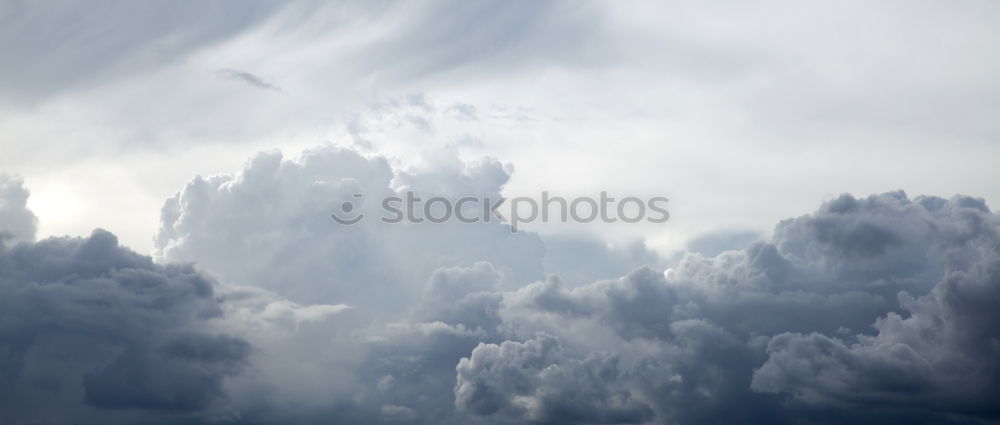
(877, 310)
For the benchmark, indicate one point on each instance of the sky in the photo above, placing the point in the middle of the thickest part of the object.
(716, 107)
(167, 172)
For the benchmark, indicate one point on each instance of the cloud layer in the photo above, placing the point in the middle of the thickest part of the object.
(880, 309)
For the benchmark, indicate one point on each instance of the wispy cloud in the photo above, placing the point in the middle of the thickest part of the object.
(246, 77)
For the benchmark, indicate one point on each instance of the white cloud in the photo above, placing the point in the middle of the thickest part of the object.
(17, 222)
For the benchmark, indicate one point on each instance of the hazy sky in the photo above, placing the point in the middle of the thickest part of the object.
(742, 114)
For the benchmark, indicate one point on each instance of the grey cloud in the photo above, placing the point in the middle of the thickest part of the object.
(247, 78)
(939, 350)
(84, 320)
(736, 338)
(534, 382)
(729, 339)
(463, 296)
(869, 310)
(184, 373)
(428, 304)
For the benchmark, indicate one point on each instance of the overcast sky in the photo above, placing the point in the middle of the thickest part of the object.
(167, 171)
(741, 114)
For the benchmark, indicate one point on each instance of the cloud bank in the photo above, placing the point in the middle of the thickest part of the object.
(871, 310)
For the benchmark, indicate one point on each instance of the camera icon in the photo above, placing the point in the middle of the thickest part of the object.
(349, 211)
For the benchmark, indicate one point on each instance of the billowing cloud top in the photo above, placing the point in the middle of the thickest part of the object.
(870, 310)
(269, 225)
(17, 222)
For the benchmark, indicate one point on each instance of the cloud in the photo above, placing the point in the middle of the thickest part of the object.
(726, 339)
(93, 332)
(146, 35)
(869, 310)
(185, 373)
(939, 349)
(580, 259)
(717, 339)
(269, 225)
(17, 222)
(533, 382)
(687, 345)
(248, 78)
(715, 243)
(571, 74)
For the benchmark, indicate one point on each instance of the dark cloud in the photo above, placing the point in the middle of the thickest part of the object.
(938, 350)
(731, 339)
(870, 310)
(865, 311)
(184, 373)
(90, 331)
(777, 333)
(534, 382)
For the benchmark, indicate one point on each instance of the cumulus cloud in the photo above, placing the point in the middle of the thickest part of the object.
(17, 222)
(939, 349)
(269, 225)
(727, 339)
(534, 382)
(869, 310)
(846, 292)
(93, 332)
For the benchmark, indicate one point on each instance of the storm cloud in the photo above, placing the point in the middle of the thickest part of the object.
(872, 310)
(881, 309)
(93, 332)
